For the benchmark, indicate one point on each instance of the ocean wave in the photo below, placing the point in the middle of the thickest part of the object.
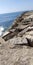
(1, 30)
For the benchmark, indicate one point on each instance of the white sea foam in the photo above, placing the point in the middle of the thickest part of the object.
(1, 30)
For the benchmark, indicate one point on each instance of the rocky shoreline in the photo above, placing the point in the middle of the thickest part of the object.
(22, 25)
(18, 46)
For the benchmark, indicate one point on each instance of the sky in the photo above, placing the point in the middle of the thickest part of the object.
(7, 6)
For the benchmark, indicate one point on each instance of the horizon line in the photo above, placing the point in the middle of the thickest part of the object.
(15, 12)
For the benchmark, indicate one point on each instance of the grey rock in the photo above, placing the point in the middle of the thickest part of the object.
(30, 40)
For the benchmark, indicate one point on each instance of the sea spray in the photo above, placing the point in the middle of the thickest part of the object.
(1, 30)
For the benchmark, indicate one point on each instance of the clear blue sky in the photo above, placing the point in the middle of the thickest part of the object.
(15, 5)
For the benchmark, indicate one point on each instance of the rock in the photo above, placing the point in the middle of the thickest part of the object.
(19, 49)
(17, 41)
(30, 40)
(29, 37)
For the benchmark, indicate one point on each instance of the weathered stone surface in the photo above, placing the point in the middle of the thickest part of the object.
(30, 39)
(18, 50)
(19, 55)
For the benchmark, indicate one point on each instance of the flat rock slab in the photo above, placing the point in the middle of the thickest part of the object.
(22, 27)
(16, 56)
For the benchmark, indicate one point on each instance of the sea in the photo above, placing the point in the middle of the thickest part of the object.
(6, 20)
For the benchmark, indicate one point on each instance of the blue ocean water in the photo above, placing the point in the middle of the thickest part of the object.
(6, 20)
